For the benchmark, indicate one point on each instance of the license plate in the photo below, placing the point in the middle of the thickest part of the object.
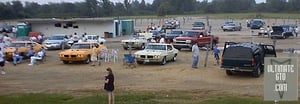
(147, 60)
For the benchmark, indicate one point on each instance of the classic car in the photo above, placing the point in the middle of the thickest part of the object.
(57, 41)
(95, 38)
(80, 52)
(283, 31)
(135, 42)
(23, 46)
(156, 52)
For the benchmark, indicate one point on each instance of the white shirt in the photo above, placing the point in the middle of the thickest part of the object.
(195, 49)
(1, 56)
(162, 40)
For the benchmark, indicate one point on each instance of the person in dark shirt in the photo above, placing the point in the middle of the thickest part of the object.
(109, 86)
(216, 52)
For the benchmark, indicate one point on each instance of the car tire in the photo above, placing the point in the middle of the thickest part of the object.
(229, 72)
(174, 58)
(87, 60)
(257, 72)
(66, 62)
(139, 62)
(164, 61)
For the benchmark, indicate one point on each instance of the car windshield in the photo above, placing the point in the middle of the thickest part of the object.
(190, 34)
(17, 45)
(237, 52)
(81, 46)
(256, 22)
(198, 24)
(231, 24)
(156, 47)
(57, 38)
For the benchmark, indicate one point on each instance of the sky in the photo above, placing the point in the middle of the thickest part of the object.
(57, 1)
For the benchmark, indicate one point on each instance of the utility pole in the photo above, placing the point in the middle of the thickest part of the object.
(208, 47)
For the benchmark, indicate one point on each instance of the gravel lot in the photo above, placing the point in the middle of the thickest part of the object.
(55, 77)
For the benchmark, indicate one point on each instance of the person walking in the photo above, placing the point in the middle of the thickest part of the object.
(216, 52)
(109, 85)
(196, 53)
(2, 61)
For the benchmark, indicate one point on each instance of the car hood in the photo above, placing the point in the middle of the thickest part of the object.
(185, 38)
(277, 28)
(52, 41)
(130, 40)
(149, 52)
(75, 51)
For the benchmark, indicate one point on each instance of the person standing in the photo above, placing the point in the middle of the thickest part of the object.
(196, 53)
(216, 52)
(2, 61)
(94, 55)
(109, 86)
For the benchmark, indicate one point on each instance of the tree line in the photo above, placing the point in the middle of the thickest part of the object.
(106, 8)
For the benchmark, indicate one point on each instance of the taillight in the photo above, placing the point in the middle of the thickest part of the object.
(252, 62)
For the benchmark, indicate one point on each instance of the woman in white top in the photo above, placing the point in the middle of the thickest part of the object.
(38, 56)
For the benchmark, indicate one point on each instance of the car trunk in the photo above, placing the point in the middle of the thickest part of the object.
(277, 30)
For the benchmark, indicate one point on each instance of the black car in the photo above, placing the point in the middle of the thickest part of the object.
(245, 57)
(173, 34)
(256, 23)
(283, 31)
(170, 25)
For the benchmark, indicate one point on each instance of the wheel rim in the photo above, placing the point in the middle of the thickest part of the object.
(164, 61)
(143, 46)
(258, 71)
(174, 58)
(87, 60)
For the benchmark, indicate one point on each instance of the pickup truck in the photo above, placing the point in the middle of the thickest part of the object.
(199, 36)
(245, 57)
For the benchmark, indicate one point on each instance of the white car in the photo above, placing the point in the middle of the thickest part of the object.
(156, 52)
(135, 42)
(95, 38)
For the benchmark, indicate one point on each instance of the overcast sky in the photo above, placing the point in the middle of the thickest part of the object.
(55, 1)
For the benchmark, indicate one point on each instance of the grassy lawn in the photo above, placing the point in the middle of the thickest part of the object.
(129, 98)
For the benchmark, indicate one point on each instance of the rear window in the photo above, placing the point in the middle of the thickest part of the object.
(237, 52)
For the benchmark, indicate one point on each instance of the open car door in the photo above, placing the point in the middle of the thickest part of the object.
(269, 50)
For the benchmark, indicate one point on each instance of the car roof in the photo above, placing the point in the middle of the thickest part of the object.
(23, 42)
(158, 44)
(86, 43)
(250, 45)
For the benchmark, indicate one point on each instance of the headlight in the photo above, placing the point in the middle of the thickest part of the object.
(156, 56)
(79, 55)
(188, 41)
(137, 56)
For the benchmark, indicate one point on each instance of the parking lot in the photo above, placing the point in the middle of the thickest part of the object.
(55, 77)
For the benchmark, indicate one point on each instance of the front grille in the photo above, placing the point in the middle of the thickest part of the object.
(180, 42)
(66, 55)
(150, 57)
(73, 56)
(143, 56)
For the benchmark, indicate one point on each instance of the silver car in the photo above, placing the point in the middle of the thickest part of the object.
(235, 26)
(57, 41)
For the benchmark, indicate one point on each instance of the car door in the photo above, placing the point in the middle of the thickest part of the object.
(269, 50)
(170, 51)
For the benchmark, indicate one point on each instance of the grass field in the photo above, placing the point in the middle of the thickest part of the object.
(129, 98)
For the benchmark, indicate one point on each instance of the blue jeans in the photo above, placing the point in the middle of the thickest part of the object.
(17, 59)
(195, 61)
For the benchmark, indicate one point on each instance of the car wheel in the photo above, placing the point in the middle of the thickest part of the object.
(175, 57)
(164, 61)
(139, 62)
(66, 62)
(229, 72)
(257, 72)
(87, 60)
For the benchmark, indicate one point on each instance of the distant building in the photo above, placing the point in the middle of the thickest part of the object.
(94, 26)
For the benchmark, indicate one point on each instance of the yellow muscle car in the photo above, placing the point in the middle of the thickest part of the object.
(81, 51)
(23, 46)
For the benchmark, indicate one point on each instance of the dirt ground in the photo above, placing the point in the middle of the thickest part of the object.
(55, 77)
